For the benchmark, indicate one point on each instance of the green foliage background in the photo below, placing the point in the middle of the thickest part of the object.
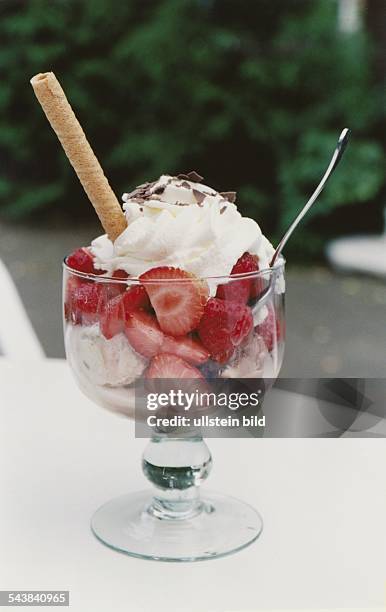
(252, 94)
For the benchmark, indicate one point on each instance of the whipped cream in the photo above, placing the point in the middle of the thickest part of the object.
(180, 222)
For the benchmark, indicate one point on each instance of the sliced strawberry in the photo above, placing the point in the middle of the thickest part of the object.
(224, 326)
(71, 314)
(239, 290)
(185, 347)
(110, 290)
(83, 261)
(119, 308)
(177, 297)
(89, 297)
(144, 333)
(134, 298)
(112, 321)
(171, 366)
(270, 330)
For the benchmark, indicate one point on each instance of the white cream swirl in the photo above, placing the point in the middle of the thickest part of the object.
(184, 224)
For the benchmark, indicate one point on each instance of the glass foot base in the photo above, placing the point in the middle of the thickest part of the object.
(224, 525)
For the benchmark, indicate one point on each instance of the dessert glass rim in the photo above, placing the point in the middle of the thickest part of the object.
(279, 264)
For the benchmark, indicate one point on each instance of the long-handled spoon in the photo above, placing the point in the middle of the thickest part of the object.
(337, 155)
(339, 150)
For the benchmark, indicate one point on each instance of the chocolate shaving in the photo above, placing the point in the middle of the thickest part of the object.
(142, 191)
(229, 195)
(137, 193)
(222, 210)
(195, 177)
(200, 197)
(159, 189)
(185, 184)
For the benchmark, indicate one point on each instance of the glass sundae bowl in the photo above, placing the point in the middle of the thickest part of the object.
(144, 310)
(124, 334)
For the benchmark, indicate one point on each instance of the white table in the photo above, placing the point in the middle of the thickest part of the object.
(323, 503)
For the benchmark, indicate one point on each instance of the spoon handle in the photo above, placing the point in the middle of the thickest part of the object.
(339, 150)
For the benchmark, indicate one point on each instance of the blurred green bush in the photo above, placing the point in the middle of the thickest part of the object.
(251, 94)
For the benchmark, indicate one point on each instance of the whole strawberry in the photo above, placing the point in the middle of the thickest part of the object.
(82, 261)
(240, 290)
(223, 326)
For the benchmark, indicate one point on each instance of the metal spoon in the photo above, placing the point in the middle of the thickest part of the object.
(339, 150)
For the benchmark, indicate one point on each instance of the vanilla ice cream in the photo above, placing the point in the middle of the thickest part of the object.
(104, 362)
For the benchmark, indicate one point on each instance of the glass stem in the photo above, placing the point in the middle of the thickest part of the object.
(176, 466)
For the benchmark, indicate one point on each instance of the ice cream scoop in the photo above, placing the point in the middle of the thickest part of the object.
(104, 362)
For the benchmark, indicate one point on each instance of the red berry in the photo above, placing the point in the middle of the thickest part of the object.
(239, 290)
(224, 326)
(88, 301)
(82, 260)
(112, 320)
(146, 337)
(120, 274)
(171, 366)
(88, 297)
(185, 347)
(134, 298)
(177, 297)
(70, 313)
(120, 307)
(270, 330)
(234, 291)
(144, 333)
(246, 263)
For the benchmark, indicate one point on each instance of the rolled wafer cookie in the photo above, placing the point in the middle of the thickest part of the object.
(78, 150)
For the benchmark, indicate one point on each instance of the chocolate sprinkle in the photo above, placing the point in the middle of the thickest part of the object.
(229, 195)
(200, 197)
(222, 210)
